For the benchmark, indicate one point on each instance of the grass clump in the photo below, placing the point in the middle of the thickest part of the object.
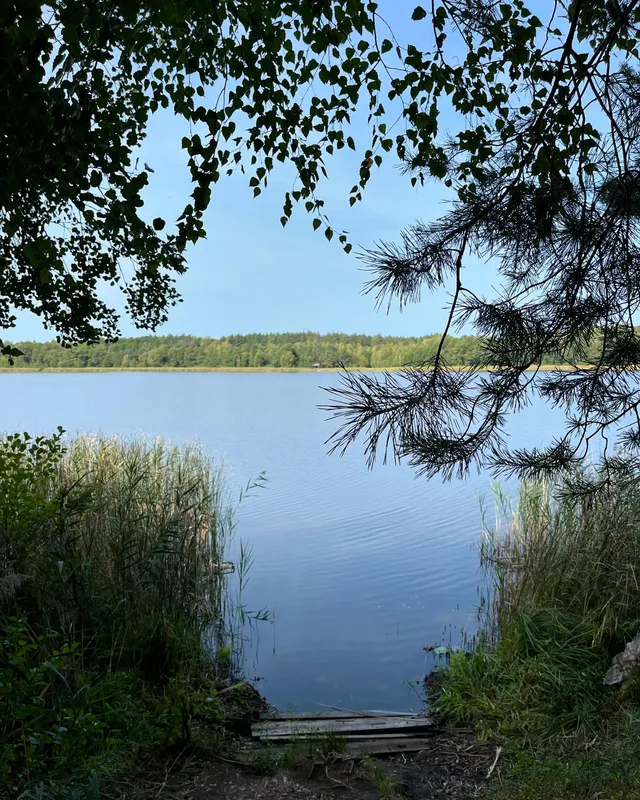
(271, 757)
(562, 597)
(386, 785)
(608, 769)
(111, 600)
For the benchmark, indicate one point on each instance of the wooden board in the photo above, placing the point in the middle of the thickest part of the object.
(426, 734)
(308, 715)
(350, 737)
(382, 745)
(363, 745)
(340, 727)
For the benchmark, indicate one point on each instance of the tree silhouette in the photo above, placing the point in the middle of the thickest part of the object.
(543, 167)
(546, 180)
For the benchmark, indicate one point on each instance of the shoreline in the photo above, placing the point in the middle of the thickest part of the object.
(461, 368)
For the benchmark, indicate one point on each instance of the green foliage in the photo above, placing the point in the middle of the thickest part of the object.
(262, 83)
(116, 533)
(27, 466)
(36, 736)
(67, 723)
(110, 600)
(609, 769)
(562, 599)
(279, 350)
(80, 86)
(579, 555)
(542, 679)
(388, 788)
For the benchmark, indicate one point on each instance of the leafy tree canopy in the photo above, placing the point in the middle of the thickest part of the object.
(543, 166)
(271, 350)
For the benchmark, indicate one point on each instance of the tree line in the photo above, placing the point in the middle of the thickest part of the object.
(275, 350)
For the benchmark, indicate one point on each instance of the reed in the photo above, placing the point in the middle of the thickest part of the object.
(121, 546)
(562, 596)
(116, 620)
(577, 555)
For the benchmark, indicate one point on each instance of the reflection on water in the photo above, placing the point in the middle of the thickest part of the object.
(361, 569)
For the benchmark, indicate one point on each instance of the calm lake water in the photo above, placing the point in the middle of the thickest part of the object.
(360, 569)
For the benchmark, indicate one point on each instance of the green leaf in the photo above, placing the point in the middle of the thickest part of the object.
(418, 13)
(34, 251)
(316, 223)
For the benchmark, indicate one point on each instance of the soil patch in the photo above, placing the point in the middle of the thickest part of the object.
(454, 766)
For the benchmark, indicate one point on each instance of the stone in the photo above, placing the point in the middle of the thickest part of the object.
(623, 663)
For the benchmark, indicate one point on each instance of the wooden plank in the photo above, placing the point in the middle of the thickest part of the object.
(382, 745)
(340, 727)
(308, 715)
(363, 745)
(349, 737)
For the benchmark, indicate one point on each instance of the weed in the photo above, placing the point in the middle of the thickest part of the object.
(388, 788)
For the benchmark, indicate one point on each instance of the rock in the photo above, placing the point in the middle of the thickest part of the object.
(614, 675)
(623, 663)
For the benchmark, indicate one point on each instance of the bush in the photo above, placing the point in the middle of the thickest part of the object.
(111, 600)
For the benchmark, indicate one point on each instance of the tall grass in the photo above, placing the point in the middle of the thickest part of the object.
(123, 545)
(111, 591)
(579, 555)
(562, 597)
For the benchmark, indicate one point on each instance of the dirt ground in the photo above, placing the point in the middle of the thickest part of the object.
(454, 766)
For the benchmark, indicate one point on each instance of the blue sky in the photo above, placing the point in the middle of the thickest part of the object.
(251, 275)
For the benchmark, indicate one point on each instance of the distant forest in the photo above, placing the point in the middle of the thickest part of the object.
(283, 350)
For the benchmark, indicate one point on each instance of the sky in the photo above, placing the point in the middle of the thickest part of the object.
(251, 275)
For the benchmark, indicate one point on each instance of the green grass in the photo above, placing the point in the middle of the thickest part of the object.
(271, 758)
(112, 603)
(388, 788)
(605, 768)
(562, 598)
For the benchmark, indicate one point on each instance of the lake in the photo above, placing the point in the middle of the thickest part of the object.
(360, 569)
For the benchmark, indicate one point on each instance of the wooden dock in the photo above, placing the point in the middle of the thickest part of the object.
(361, 732)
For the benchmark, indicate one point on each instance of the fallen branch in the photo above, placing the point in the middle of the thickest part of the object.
(231, 688)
